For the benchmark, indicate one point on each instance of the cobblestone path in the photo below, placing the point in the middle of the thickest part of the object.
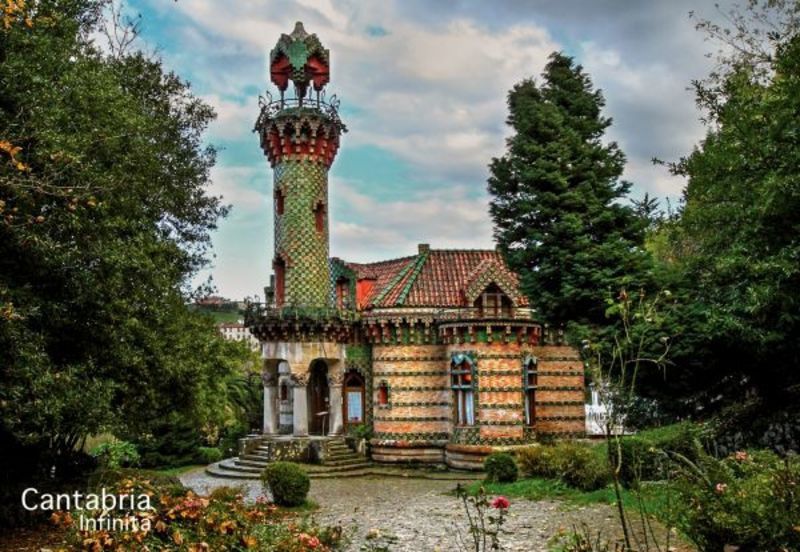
(419, 515)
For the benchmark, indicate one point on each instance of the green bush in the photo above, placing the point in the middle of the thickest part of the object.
(537, 461)
(647, 457)
(500, 468)
(208, 455)
(576, 464)
(641, 460)
(748, 500)
(287, 482)
(116, 454)
(580, 467)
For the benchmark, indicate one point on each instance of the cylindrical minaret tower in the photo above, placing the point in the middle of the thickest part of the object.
(300, 137)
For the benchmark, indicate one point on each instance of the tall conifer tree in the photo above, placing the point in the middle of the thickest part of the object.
(556, 198)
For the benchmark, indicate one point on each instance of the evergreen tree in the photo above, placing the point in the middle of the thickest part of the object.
(556, 198)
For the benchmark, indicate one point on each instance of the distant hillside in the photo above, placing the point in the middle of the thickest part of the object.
(228, 311)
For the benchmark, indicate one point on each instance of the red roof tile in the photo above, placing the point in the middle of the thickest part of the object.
(437, 278)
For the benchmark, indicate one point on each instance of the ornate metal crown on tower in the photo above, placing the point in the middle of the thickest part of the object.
(301, 127)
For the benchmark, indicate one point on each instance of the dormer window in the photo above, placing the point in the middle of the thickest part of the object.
(494, 303)
(342, 293)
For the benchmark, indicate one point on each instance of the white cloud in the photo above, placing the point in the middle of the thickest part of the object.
(239, 186)
(444, 218)
(431, 90)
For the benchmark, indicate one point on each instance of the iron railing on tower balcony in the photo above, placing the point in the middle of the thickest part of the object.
(271, 108)
(265, 312)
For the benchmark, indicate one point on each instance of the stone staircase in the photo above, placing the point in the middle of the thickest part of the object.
(339, 460)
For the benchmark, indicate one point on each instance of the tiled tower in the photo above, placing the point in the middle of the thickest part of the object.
(300, 137)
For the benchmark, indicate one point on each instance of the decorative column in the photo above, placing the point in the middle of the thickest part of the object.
(335, 408)
(270, 426)
(300, 407)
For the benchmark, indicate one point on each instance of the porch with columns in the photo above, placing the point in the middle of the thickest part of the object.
(286, 376)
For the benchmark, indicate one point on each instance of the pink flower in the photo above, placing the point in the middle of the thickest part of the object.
(741, 456)
(309, 540)
(501, 503)
(721, 488)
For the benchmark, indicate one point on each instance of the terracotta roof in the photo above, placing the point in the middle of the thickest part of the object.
(434, 278)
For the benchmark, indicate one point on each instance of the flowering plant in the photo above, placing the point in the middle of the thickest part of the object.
(182, 520)
(484, 526)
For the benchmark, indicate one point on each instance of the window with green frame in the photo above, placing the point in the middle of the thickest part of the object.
(462, 384)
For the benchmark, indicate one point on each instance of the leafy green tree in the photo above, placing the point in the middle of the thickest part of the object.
(104, 217)
(557, 198)
(742, 221)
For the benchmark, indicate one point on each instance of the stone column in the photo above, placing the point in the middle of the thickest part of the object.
(335, 408)
(300, 407)
(270, 425)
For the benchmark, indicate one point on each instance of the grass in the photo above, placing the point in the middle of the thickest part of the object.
(655, 496)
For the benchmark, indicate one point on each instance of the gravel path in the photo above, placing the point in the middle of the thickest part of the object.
(421, 515)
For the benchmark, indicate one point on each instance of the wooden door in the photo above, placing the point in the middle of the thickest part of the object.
(318, 398)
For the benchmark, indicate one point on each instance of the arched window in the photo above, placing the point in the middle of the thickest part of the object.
(461, 382)
(319, 217)
(279, 202)
(279, 266)
(383, 393)
(493, 303)
(353, 398)
(284, 391)
(530, 383)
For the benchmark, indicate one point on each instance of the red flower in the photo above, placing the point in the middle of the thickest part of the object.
(501, 503)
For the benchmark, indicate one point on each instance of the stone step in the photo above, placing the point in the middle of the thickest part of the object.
(343, 462)
(233, 471)
(365, 470)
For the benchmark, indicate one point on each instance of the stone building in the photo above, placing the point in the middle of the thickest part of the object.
(437, 353)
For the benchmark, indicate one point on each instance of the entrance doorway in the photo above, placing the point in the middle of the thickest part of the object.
(318, 398)
(353, 403)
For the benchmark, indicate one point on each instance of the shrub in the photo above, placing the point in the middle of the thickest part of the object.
(641, 460)
(537, 461)
(576, 464)
(208, 455)
(287, 482)
(746, 500)
(580, 467)
(222, 520)
(645, 458)
(116, 454)
(500, 468)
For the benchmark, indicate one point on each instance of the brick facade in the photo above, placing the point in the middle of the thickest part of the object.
(452, 358)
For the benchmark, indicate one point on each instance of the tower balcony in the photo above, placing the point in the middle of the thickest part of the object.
(299, 129)
(299, 322)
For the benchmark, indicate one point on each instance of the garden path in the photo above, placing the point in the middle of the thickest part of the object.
(419, 515)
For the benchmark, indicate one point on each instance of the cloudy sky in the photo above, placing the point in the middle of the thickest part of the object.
(422, 87)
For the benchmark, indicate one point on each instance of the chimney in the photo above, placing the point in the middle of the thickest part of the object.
(424, 248)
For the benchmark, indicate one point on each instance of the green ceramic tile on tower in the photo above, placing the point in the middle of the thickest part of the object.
(298, 241)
